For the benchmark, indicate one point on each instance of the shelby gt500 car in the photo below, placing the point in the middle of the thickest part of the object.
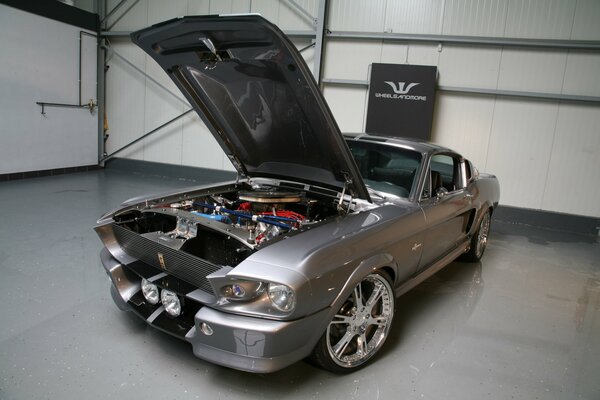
(305, 253)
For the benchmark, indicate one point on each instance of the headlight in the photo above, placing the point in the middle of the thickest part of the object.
(240, 290)
(170, 302)
(150, 292)
(282, 297)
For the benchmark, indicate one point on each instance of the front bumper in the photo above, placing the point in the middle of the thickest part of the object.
(240, 342)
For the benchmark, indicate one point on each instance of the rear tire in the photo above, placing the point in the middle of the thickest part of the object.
(359, 328)
(479, 240)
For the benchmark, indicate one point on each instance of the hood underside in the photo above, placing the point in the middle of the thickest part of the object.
(252, 88)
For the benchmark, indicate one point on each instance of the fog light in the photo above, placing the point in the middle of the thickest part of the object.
(170, 302)
(206, 329)
(150, 292)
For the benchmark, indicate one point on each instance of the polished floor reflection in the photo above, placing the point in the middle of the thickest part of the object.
(524, 323)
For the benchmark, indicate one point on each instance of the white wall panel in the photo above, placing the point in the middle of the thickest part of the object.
(463, 123)
(414, 16)
(89, 68)
(198, 7)
(348, 59)
(267, 8)
(227, 165)
(292, 19)
(285, 15)
(308, 54)
(475, 17)
(519, 149)
(40, 62)
(165, 146)
(573, 184)
(532, 70)
(423, 54)
(125, 98)
(475, 67)
(200, 149)
(357, 15)
(161, 106)
(229, 6)
(586, 25)
(394, 53)
(582, 76)
(348, 106)
(160, 10)
(548, 19)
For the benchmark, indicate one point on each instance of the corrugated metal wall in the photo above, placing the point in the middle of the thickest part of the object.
(136, 105)
(546, 153)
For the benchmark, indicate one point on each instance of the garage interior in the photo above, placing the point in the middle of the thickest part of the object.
(89, 120)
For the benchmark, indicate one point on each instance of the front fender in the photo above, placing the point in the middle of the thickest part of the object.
(366, 267)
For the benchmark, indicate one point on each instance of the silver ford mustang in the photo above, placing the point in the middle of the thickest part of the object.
(305, 253)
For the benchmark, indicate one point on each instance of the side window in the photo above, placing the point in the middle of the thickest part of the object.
(474, 171)
(445, 173)
(468, 171)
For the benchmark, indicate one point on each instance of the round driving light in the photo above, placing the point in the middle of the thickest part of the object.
(150, 292)
(206, 329)
(282, 297)
(170, 302)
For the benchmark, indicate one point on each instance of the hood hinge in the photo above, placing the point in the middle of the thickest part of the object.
(239, 167)
(347, 187)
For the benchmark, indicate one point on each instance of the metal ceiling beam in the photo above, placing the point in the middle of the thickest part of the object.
(468, 40)
(101, 85)
(111, 51)
(294, 34)
(492, 92)
(114, 10)
(302, 11)
(319, 41)
(145, 135)
(530, 95)
(122, 15)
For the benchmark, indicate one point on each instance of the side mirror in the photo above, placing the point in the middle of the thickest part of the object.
(441, 192)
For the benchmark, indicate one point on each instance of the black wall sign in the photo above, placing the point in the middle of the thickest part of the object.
(401, 99)
(57, 11)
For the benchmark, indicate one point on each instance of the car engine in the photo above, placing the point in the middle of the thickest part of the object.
(225, 226)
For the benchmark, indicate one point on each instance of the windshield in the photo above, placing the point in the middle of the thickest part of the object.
(386, 168)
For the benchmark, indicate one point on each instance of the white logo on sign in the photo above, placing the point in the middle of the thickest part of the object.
(402, 87)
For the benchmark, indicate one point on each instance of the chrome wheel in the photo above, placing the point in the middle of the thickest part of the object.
(482, 235)
(360, 327)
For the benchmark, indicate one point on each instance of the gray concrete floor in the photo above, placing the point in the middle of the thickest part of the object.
(522, 324)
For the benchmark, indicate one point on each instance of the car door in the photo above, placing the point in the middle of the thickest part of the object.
(446, 204)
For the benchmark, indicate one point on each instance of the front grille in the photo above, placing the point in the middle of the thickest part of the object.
(176, 262)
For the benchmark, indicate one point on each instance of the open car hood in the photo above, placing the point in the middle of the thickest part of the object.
(252, 88)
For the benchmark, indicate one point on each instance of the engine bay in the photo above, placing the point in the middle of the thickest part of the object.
(225, 226)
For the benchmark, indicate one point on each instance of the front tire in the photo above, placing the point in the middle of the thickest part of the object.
(360, 327)
(479, 240)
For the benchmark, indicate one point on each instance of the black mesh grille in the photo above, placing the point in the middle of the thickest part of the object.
(178, 263)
